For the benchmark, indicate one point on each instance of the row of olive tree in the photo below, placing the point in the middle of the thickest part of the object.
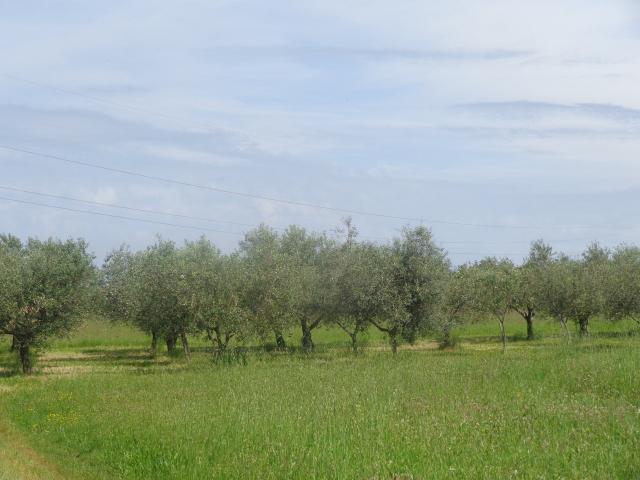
(599, 283)
(276, 282)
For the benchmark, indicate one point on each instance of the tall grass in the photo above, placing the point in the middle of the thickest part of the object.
(544, 410)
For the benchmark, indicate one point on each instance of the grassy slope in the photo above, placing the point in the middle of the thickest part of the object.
(544, 410)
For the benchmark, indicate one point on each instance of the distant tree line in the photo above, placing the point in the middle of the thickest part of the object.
(277, 282)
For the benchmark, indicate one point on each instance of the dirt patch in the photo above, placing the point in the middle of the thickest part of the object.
(18, 461)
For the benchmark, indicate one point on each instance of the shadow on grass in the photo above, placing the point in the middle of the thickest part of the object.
(9, 366)
(111, 358)
(8, 372)
(521, 340)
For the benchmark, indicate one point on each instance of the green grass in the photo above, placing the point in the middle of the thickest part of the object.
(544, 410)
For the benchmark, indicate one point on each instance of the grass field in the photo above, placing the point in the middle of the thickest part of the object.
(98, 407)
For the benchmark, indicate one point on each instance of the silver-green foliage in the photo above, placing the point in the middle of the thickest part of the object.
(212, 289)
(144, 290)
(269, 284)
(409, 278)
(495, 290)
(46, 286)
(622, 284)
(529, 278)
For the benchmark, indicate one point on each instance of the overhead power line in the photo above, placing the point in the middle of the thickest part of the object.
(190, 227)
(139, 109)
(285, 201)
(125, 207)
(207, 187)
(198, 228)
(121, 217)
(146, 210)
(252, 225)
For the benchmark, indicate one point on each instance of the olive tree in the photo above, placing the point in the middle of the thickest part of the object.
(372, 295)
(352, 274)
(421, 272)
(144, 289)
(406, 283)
(119, 298)
(622, 284)
(10, 249)
(557, 290)
(268, 293)
(386, 302)
(212, 290)
(588, 286)
(456, 305)
(307, 257)
(10, 284)
(50, 285)
(528, 279)
(573, 289)
(495, 290)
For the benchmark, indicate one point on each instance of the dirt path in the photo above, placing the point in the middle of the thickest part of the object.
(18, 461)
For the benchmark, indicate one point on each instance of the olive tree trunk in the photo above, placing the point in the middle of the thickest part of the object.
(503, 335)
(354, 342)
(185, 345)
(353, 335)
(393, 340)
(171, 341)
(391, 332)
(307, 341)
(281, 344)
(528, 317)
(446, 340)
(583, 323)
(154, 344)
(24, 352)
(219, 341)
(567, 333)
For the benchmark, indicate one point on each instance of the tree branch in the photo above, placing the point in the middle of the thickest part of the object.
(382, 329)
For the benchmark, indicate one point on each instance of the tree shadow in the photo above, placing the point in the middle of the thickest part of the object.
(8, 372)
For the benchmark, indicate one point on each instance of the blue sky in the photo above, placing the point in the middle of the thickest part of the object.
(501, 112)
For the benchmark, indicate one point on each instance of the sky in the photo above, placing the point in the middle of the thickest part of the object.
(494, 123)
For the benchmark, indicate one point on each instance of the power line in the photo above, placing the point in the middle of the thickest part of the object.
(284, 201)
(165, 116)
(145, 210)
(253, 225)
(202, 187)
(125, 207)
(219, 190)
(193, 227)
(121, 217)
(244, 194)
